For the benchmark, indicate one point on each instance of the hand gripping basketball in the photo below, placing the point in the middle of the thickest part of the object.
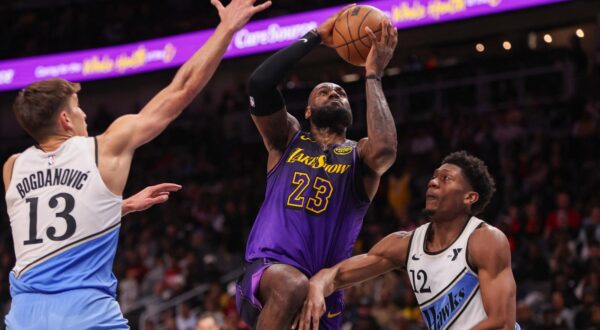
(350, 38)
(382, 50)
(325, 30)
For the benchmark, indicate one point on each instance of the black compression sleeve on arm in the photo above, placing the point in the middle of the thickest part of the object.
(265, 98)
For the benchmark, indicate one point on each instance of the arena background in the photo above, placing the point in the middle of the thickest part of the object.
(531, 111)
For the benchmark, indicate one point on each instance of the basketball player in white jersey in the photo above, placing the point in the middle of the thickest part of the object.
(63, 194)
(459, 266)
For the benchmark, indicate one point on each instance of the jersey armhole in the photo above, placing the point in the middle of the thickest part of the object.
(96, 150)
(358, 186)
(408, 250)
(12, 171)
(284, 154)
(471, 267)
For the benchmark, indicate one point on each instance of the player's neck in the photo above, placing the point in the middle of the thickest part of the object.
(327, 136)
(444, 233)
(53, 142)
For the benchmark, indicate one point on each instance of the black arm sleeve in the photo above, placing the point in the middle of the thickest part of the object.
(265, 98)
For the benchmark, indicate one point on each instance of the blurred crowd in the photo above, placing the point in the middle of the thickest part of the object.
(32, 27)
(540, 144)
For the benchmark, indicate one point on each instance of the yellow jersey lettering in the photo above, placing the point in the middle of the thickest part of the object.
(316, 162)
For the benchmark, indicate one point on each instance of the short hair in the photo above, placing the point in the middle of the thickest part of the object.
(37, 105)
(478, 176)
(211, 315)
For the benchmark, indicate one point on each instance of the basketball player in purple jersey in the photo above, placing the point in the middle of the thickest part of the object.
(319, 184)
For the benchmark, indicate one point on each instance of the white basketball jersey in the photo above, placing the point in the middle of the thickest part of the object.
(65, 222)
(446, 287)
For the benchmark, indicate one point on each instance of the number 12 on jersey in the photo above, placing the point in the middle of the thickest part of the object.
(322, 189)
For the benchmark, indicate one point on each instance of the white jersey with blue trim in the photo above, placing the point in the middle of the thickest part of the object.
(446, 287)
(65, 222)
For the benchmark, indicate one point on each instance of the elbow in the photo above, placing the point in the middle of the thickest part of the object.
(255, 84)
(382, 161)
(502, 323)
(183, 93)
(261, 81)
(386, 154)
(184, 96)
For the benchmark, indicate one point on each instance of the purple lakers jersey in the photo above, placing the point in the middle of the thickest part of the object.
(313, 208)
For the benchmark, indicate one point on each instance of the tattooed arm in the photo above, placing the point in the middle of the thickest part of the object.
(378, 149)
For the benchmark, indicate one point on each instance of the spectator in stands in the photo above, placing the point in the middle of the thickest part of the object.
(209, 321)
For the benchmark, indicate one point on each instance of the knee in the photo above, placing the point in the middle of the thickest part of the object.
(290, 293)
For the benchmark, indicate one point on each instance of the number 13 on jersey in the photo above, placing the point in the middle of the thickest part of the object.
(317, 203)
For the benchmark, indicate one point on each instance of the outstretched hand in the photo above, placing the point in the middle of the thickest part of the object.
(149, 197)
(382, 50)
(238, 12)
(325, 30)
(312, 310)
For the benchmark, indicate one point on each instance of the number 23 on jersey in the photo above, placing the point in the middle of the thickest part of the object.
(318, 199)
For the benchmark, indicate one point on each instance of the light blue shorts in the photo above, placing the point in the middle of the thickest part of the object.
(76, 309)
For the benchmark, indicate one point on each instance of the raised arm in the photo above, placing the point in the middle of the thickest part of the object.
(117, 144)
(378, 149)
(489, 252)
(148, 197)
(388, 254)
(267, 106)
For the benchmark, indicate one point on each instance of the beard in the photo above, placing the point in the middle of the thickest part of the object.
(331, 116)
(427, 214)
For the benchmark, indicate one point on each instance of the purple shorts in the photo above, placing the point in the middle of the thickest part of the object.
(249, 306)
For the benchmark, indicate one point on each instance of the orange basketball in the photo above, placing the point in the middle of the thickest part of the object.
(350, 39)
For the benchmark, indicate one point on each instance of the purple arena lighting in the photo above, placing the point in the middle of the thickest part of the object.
(257, 37)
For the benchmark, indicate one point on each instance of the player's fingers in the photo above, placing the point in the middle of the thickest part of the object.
(394, 38)
(343, 10)
(295, 322)
(166, 187)
(393, 35)
(305, 318)
(160, 199)
(315, 322)
(261, 7)
(385, 32)
(371, 35)
(302, 320)
(390, 33)
(217, 5)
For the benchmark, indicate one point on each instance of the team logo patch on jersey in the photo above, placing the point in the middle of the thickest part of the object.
(341, 151)
(454, 254)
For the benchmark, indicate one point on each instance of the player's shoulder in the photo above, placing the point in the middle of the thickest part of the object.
(8, 168)
(11, 161)
(487, 233)
(395, 240)
(488, 243)
(394, 246)
(401, 235)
